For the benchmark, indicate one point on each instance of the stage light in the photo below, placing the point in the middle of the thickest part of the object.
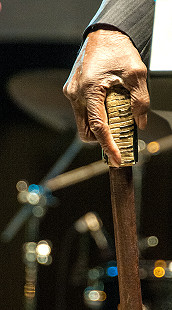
(96, 295)
(29, 290)
(161, 263)
(22, 196)
(38, 211)
(94, 274)
(42, 259)
(49, 261)
(33, 198)
(153, 147)
(170, 266)
(149, 242)
(159, 272)
(92, 221)
(152, 241)
(34, 188)
(30, 257)
(168, 274)
(112, 271)
(88, 222)
(30, 252)
(22, 186)
(30, 247)
(141, 145)
(43, 248)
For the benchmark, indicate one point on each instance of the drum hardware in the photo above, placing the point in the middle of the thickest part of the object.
(39, 93)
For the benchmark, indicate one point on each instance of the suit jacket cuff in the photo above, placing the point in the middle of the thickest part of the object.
(134, 18)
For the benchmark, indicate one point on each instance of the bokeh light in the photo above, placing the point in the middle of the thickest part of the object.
(94, 295)
(22, 197)
(33, 188)
(170, 266)
(97, 295)
(168, 273)
(153, 147)
(143, 273)
(22, 186)
(42, 259)
(141, 145)
(93, 274)
(92, 221)
(30, 257)
(30, 247)
(33, 198)
(29, 290)
(159, 272)
(38, 211)
(152, 241)
(112, 271)
(43, 248)
(161, 263)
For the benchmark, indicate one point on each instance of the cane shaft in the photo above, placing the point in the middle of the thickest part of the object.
(123, 210)
(123, 129)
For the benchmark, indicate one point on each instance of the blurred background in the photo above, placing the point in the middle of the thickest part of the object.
(65, 239)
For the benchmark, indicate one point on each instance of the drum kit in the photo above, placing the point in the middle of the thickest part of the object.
(39, 93)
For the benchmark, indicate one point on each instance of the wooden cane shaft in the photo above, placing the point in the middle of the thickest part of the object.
(123, 209)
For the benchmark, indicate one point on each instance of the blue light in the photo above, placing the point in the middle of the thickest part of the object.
(36, 189)
(112, 271)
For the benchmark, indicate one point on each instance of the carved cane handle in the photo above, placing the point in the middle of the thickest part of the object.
(122, 124)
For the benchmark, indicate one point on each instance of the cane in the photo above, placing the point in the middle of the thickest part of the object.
(123, 129)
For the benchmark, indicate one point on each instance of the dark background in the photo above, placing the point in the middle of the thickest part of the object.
(29, 148)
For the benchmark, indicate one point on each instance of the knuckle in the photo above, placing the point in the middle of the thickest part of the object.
(83, 136)
(96, 126)
(65, 89)
(143, 99)
(141, 106)
(70, 91)
(138, 71)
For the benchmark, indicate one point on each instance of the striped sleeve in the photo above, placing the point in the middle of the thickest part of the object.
(133, 17)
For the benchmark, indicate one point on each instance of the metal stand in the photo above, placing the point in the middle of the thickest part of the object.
(31, 213)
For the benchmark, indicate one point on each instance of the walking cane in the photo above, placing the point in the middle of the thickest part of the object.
(123, 129)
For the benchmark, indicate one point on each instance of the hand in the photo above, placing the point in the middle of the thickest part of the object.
(106, 58)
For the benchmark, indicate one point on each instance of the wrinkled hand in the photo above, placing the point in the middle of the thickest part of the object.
(106, 58)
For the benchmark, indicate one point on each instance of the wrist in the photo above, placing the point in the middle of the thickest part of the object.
(100, 26)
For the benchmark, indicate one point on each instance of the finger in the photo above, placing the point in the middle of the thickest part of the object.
(82, 123)
(141, 121)
(97, 119)
(140, 103)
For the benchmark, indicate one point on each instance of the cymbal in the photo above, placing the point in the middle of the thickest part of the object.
(39, 93)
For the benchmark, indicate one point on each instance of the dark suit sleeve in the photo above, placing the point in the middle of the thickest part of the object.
(133, 17)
